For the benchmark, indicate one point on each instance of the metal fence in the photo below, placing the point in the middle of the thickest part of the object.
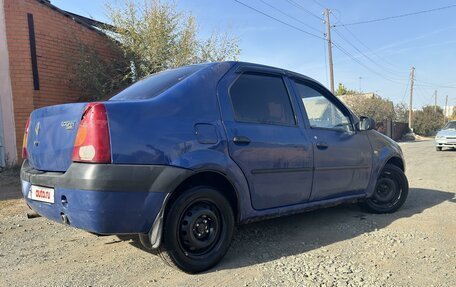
(394, 130)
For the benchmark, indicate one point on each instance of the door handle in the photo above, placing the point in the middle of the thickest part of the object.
(322, 145)
(241, 140)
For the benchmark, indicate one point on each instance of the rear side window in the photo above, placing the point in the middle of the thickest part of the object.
(259, 98)
(156, 84)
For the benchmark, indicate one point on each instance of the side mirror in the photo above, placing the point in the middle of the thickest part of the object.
(365, 124)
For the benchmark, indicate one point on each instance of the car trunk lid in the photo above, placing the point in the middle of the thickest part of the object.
(51, 136)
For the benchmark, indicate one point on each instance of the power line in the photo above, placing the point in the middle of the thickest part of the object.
(304, 9)
(398, 16)
(405, 92)
(319, 4)
(280, 21)
(319, 37)
(426, 98)
(362, 53)
(290, 16)
(423, 84)
(428, 84)
(366, 67)
(394, 70)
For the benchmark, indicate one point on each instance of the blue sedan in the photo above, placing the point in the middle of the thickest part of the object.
(181, 157)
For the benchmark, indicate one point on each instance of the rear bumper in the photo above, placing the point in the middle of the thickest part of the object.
(104, 198)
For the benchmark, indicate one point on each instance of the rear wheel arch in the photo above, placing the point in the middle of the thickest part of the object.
(211, 178)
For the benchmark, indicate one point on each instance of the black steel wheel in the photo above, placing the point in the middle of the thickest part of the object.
(198, 229)
(438, 148)
(390, 192)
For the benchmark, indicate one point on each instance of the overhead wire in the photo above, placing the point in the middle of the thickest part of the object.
(319, 4)
(280, 21)
(363, 54)
(319, 37)
(394, 69)
(399, 16)
(290, 16)
(422, 96)
(299, 6)
(428, 84)
(405, 92)
(362, 64)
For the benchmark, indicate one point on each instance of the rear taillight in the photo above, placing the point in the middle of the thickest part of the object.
(92, 140)
(24, 141)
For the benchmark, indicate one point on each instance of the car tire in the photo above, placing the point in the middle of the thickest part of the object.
(390, 192)
(438, 148)
(198, 230)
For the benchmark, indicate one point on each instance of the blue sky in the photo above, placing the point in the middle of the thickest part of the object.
(387, 48)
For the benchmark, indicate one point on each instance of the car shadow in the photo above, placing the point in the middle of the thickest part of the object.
(286, 236)
(272, 239)
(448, 150)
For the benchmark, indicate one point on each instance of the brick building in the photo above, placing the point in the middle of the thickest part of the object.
(39, 48)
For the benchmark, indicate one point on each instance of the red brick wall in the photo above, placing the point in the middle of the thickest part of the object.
(58, 41)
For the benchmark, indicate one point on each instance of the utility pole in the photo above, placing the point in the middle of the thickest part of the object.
(360, 78)
(445, 109)
(435, 101)
(330, 58)
(411, 98)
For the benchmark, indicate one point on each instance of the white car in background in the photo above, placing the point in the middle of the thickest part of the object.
(446, 137)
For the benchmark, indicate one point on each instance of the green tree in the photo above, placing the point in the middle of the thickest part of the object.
(427, 121)
(342, 90)
(99, 77)
(155, 36)
(402, 111)
(150, 36)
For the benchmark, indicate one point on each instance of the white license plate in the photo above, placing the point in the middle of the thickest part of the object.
(41, 193)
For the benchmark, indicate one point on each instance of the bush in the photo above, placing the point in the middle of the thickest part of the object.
(98, 77)
(427, 121)
(154, 36)
(151, 37)
(372, 106)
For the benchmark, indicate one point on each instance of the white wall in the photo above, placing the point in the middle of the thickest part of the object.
(448, 110)
(7, 128)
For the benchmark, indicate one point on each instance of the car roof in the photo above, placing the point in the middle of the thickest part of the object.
(280, 70)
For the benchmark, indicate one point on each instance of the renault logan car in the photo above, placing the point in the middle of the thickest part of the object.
(183, 156)
(446, 137)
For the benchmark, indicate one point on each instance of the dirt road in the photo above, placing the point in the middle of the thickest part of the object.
(341, 246)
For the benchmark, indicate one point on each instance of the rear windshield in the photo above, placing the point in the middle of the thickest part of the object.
(156, 84)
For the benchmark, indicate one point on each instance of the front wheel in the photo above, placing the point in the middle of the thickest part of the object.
(390, 192)
(438, 148)
(198, 229)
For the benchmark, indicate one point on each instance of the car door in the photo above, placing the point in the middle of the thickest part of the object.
(342, 156)
(265, 138)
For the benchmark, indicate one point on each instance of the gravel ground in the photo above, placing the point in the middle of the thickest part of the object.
(341, 246)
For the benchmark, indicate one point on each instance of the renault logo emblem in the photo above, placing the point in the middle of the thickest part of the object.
(68, 125)
(37, 128)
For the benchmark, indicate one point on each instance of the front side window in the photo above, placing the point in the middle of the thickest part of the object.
(259, 98)
(322, 113)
